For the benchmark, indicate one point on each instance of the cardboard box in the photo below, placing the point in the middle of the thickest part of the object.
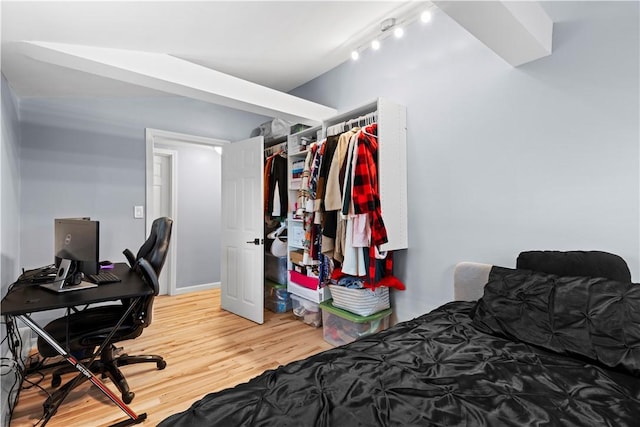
(296, 257)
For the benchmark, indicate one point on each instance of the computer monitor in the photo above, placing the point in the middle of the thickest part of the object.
(77, 239)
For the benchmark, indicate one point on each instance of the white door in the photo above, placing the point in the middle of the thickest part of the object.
(163, 176)
(242, 269)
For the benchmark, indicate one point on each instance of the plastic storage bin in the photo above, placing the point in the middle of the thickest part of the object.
(307, 311)
(276, 297)
(275, 268)
(342, 327)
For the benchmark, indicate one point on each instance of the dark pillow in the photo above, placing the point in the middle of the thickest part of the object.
(593, 318)
(576, 263)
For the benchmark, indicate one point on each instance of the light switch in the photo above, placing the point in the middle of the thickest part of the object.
(138, 211)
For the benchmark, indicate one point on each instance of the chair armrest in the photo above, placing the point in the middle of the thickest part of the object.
(148, 275)
(130, 257)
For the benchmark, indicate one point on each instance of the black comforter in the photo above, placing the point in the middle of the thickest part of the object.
(436, 370)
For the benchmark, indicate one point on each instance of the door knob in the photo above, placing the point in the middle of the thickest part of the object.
(255, 241)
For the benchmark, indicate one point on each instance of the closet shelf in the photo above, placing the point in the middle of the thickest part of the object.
(299, 153)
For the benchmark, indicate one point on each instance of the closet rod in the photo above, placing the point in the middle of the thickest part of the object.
(361, 121)
(275, 148)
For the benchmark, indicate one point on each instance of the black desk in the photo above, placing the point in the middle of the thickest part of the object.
(22, 300)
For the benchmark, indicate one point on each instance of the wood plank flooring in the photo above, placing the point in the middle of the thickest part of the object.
(206, 350)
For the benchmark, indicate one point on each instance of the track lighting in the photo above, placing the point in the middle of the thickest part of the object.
(387, 24)
(395, 24)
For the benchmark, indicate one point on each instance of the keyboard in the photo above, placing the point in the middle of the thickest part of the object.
(103, 277)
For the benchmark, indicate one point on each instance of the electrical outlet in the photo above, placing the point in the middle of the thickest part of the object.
(138, 211)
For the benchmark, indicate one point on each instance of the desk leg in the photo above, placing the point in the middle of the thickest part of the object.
(133, 418)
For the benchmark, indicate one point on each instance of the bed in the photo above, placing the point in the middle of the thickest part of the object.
(527, 347)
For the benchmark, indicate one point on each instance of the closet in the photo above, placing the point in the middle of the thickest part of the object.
(390, 119)
(244, 235)
(275, 207)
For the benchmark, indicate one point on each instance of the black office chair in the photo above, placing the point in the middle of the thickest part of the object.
(156, 246)
(85, 330)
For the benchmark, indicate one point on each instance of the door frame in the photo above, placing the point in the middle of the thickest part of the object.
(173, 213)
(169, 138)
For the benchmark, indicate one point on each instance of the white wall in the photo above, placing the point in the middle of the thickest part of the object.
(502, 159)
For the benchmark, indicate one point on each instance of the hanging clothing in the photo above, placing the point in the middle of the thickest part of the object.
(267, 173)
(333, 191)
(365, 193)
(315, 170)
(354, 257)
(327, 153)
(278, 181)
(305, 202)
(349, 167)
(361, 231)
(334, 225)
(303, 192)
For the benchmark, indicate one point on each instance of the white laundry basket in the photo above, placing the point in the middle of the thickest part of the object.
(363, 302)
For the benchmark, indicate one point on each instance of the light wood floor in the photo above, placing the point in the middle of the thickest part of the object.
(206, 349)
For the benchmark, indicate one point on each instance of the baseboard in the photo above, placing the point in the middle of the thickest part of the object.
(196, 288)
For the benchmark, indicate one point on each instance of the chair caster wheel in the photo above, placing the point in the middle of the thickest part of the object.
(128, 397)
(161, 365)
(56, 380)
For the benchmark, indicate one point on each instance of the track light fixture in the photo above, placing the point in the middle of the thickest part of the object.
(391, 26)
(387, 24)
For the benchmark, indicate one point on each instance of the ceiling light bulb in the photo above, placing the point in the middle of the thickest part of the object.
(398, 32)
(425, 16)
(375, 44)
(355, 55)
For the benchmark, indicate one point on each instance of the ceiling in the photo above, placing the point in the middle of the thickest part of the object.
(277, 44)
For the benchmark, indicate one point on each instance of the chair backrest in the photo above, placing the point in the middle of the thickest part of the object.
(155, 248)
(144, 314)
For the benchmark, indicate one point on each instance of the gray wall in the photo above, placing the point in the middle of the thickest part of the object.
(10, 222)
(10, 190)
(198, 214)
(86, 157)
(502, 159)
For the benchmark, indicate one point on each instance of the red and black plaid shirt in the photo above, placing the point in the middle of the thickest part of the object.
(366, 197)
